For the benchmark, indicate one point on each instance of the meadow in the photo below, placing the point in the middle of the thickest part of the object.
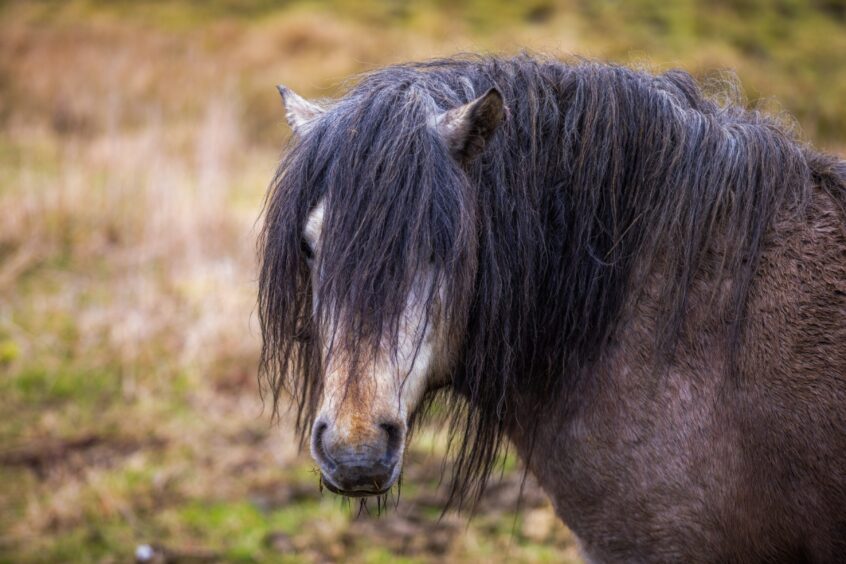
(137, 140)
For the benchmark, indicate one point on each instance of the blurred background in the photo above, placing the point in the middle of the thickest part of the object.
(137, 139)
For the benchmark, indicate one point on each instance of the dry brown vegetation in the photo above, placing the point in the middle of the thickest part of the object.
(136, 143)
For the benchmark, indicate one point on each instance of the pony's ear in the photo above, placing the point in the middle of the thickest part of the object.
(467, 129)
(300, 113)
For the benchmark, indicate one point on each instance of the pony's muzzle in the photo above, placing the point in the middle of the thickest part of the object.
(365, 465)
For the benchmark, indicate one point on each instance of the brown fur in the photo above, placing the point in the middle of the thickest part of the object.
(748, 468)
(642, 289)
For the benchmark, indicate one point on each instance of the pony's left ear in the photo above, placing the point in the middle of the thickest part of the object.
(300, 112)
(468, 128)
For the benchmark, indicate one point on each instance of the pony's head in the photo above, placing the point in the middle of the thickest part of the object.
(415, 239)
(368, 262)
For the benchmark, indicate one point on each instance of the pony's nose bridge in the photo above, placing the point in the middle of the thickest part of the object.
(355, 439)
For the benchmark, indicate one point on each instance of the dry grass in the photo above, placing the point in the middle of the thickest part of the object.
(136, 142)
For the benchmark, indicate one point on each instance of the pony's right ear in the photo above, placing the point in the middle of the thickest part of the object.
(301, 113)
(468, 128)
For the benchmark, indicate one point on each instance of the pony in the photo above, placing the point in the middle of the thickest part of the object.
(639, 287)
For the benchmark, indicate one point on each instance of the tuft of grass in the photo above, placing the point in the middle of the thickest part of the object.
(378, 555)
(39, 386)
(9, 352)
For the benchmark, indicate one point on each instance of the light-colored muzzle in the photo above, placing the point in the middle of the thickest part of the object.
(359, 434)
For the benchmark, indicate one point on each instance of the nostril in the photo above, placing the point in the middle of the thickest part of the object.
(394, 439)
(391, 429)
(317, 443)
(319, 429)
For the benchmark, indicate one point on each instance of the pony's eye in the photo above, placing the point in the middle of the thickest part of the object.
(306, 249)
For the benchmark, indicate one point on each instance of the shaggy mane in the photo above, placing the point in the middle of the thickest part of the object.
(599, 174)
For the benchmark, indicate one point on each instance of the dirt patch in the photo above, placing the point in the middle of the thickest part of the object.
(49, 455)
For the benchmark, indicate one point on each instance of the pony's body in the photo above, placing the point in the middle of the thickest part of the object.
(644, 291)
(700, 465)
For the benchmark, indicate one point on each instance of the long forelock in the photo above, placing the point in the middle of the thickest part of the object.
(396, 207)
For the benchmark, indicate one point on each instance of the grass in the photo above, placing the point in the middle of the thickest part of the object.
(136, 143)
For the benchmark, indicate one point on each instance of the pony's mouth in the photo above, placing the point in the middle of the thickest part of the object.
(360, 490)
(357, 492)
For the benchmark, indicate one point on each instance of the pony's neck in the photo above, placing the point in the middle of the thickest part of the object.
(610, 183)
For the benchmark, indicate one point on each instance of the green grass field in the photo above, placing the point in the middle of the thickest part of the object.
(136, 142)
